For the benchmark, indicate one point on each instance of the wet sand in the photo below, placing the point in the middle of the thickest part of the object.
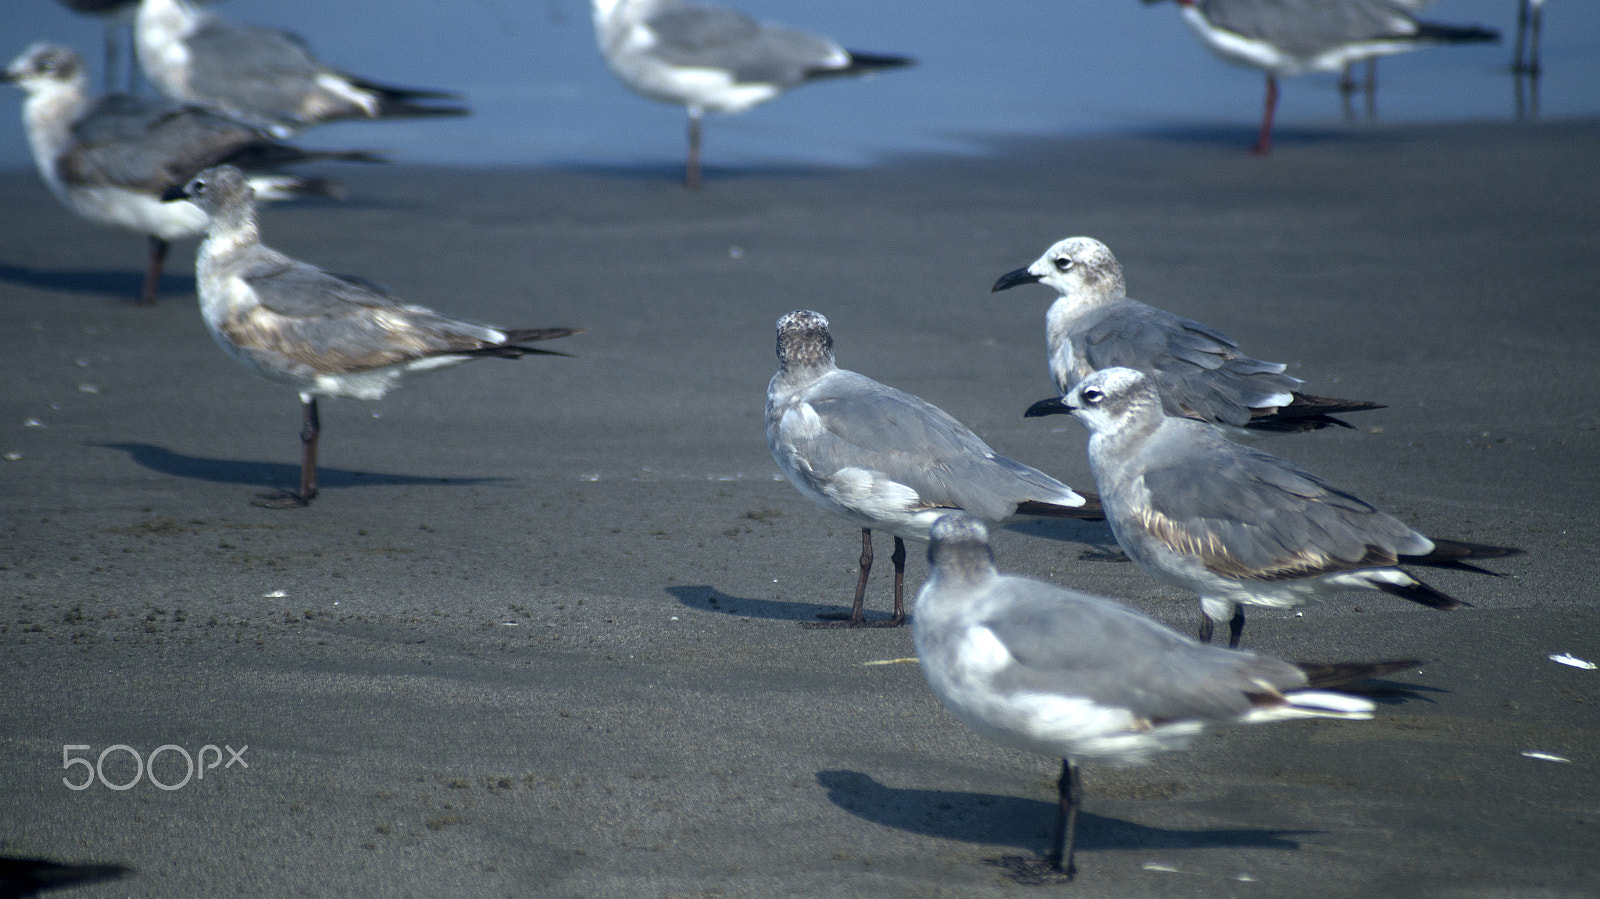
(539, 635)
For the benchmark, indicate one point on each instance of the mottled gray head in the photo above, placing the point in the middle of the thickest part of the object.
(1113, 398)
(1078, 267)
(43, 63)
(804, 341)
(958, 546)
(216, 190)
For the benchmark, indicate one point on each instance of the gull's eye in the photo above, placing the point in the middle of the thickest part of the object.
(1063, 263)
(197, 187)
(1093, 395)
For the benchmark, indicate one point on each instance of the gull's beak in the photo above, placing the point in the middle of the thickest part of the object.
(1053, 406)
(1012, 279)
(175, 193)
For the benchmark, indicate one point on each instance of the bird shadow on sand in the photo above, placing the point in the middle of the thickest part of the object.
(268, 474)
(987, 819)
(114, 282)
(709, 599)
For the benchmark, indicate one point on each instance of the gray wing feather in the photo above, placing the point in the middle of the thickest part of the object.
(149, 145)
(1071, 643)
(1198, 369)
(252, 68)
(754, 52)
(872, 426)
(1307, 27)
(1252, 514)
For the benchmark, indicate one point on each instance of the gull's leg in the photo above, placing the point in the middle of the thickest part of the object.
(1264, 142)
(691, 177)
(310, 429)
(152, 273)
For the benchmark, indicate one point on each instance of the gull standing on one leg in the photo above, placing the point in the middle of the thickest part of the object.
(1067, 675)
(1201, 373)
(884, 459)
(1239, 526)
(711, 58)
(325, 334)
(110, 158)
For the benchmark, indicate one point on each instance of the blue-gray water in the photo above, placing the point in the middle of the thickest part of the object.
(988, 70)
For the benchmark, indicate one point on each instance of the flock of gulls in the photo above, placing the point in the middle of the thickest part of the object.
(1041, 668)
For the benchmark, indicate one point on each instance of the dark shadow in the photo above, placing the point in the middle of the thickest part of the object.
(120, 282)
(1025, 824)
(32, 876)
(1096, 534)
(710, 599)
(268, 474)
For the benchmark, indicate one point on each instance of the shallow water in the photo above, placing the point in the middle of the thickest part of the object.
(989, 70)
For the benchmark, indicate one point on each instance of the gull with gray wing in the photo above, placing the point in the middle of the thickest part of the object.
(1287, 38)
(322, 333)
(110, 158)
(1082, 678)
(711, 58)
(884, 459)
(1201, 374)
(262, 74)
(1239, 526)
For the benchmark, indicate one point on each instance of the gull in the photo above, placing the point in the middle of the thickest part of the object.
(110, 158)
(884, 459)
(1286, 38)
(261, 74)
(1201, 373)
(711, 58)
(1239, 526)
(325, 334)
(1081, 678)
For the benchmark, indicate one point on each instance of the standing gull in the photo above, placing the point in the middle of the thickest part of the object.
(326, 334)
(1286, 38)
(110, 158)
(1093, 325)
(882, 458)
(1081, 678)
(262, 74)
(713, 58)
(1236, 525)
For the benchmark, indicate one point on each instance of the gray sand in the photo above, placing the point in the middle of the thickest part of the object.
(539, 634)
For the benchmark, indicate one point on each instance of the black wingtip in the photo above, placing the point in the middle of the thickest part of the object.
(31, 876)
(1453, 554)
(1091, 510)
(1456, 34)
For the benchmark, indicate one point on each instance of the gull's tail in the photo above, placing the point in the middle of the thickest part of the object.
(1307, 413)
(400, 102)
(1091, 509)
(862, 64)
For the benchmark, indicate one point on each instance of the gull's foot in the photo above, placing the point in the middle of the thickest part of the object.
(282, 499)
(842, 620)
(1033, 871)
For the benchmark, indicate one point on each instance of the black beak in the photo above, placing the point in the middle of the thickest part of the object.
(1012, 279)
(175, 193)
(1053, 406)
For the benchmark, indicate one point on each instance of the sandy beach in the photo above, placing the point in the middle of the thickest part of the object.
(539, 635)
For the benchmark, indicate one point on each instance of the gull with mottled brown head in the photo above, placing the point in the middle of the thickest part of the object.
(1201, 374)
(1239, 526)
(884, 459)
(1082, 678)
(110, 158)
(322, 333)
